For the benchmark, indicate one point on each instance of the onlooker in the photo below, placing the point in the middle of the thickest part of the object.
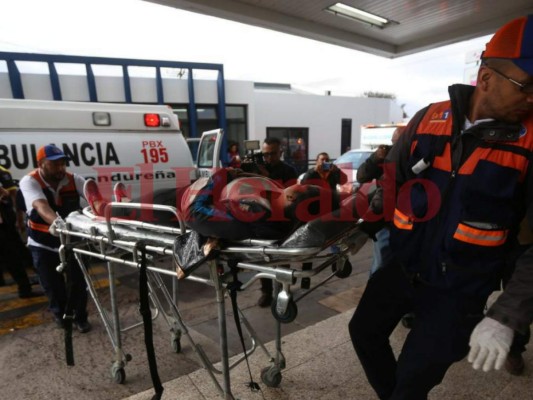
(50, 194)
(275, 169)
(324, 173)
(234, 158)
(464, 181)
(327, 175)
(372, 169)
(11, 245)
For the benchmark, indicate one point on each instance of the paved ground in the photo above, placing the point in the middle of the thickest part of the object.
(320, 363)
(32, 359)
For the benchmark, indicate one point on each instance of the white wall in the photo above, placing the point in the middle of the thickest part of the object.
(322, 115)
(143, 89)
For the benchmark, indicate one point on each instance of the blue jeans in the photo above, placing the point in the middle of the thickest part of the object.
(54, 285)
(382, 253)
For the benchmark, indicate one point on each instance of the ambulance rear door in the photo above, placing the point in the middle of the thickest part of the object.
(208, 156)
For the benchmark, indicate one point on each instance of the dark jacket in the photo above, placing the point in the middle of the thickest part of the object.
(7, 213)
(282, 173)
(334, 178)
(371, 169)
(479, 183)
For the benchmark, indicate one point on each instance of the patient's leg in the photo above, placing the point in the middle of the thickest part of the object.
(94, 197)
(120, 193)
(210, 245)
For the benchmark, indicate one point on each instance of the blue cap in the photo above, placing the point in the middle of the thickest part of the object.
(51, 152)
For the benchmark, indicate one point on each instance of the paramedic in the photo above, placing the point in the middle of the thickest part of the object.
(464, 180)
(50, 191)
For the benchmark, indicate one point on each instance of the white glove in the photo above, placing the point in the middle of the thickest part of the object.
(58, 224)
(489, 344)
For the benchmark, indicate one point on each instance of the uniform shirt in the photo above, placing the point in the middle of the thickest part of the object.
(32, 191)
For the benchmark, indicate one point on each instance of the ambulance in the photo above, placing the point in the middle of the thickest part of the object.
(374, 135)
(136, 144)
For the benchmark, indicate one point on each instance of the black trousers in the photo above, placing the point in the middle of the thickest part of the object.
(14, 257)
(438, 338)
(53, 283)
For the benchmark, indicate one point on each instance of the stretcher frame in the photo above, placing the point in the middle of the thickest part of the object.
(265, 258)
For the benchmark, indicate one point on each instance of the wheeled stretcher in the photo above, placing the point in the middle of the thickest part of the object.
(124, 243)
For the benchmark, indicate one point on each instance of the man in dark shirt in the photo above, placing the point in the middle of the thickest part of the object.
(276, 169)
(11, 246)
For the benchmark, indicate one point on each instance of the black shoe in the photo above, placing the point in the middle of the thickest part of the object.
(34, 280)
(83, 327)
(30, 294)
(514, 364)
(265, 300)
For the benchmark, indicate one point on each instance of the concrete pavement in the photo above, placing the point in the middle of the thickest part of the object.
(320, 362)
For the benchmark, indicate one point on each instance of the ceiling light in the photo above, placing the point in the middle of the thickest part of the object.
(344, 10)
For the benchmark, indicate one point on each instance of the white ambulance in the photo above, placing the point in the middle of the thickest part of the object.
(139, 145)
(374, 135)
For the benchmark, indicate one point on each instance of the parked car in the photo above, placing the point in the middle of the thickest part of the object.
(349, 162)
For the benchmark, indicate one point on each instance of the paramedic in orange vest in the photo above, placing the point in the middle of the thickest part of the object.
(50, 194)
(456, 187)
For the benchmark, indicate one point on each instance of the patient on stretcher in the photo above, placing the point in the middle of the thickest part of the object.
(232, 205)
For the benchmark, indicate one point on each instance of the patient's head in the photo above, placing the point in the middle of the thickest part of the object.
(303, 203)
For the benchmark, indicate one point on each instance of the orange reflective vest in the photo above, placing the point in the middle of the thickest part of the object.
(68, 201)
(454, 219)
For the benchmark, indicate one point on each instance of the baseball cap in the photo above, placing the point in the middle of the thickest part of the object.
(51, 152)
(513, 41)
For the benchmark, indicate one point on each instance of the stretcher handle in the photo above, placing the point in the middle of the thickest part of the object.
(144, 206)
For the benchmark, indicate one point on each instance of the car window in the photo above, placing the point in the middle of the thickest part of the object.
(353, 159)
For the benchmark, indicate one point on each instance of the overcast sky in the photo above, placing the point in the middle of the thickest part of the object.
(138, 29)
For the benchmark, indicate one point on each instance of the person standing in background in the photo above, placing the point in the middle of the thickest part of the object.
(325, 173)
(234, 158)
(11, 244)
(275, 169)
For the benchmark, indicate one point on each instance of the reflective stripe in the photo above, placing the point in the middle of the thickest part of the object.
(444, 161)
(402, 221)
(38, 227)
(499, 157)
(480, 237)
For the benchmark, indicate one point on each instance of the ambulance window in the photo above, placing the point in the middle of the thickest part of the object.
(206, 153)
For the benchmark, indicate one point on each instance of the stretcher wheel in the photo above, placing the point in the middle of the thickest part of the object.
(345, 271)
(271, 376)
(289, 315)
(118, 374)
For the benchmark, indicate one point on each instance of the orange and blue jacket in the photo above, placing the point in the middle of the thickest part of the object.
(458, 211)
(68, 201)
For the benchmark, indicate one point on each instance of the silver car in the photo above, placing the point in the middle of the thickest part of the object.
(350, 161)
